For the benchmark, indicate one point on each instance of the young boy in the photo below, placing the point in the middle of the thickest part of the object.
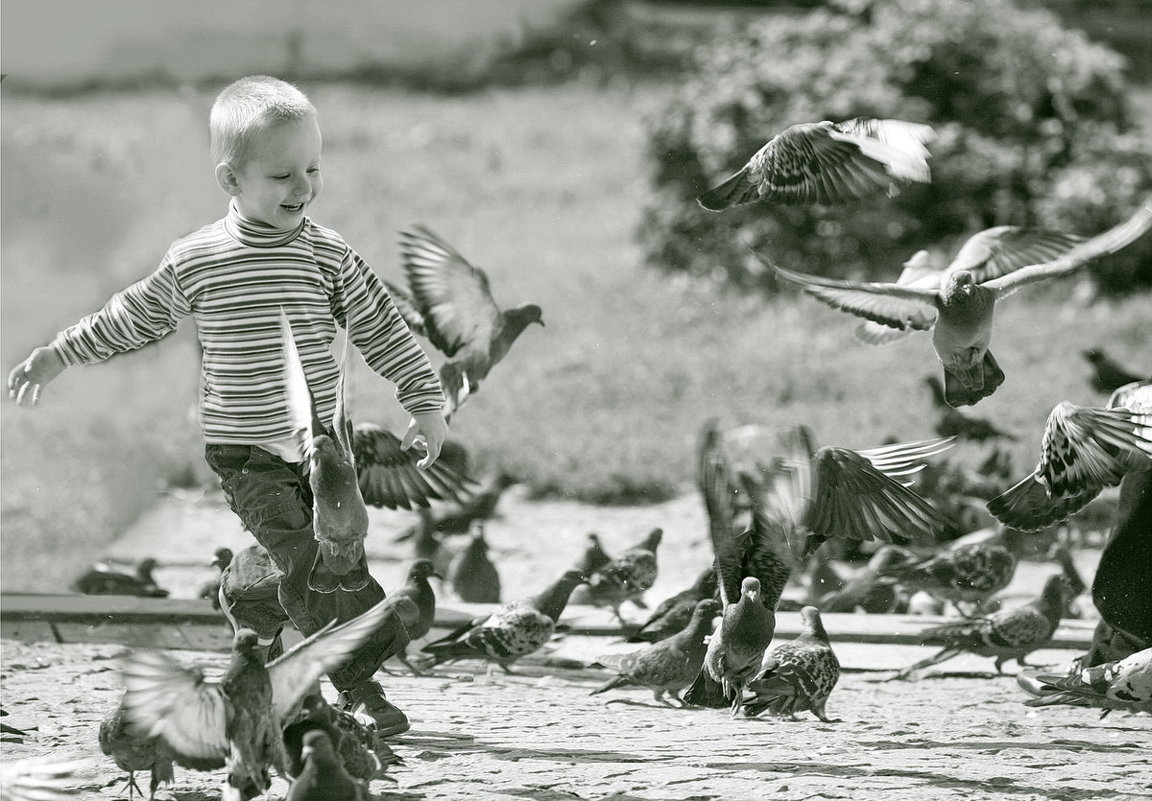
(234, 277)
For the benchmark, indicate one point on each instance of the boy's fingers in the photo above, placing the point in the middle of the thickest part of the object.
(409, 436)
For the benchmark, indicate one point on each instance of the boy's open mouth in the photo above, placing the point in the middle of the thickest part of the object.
(293, 207)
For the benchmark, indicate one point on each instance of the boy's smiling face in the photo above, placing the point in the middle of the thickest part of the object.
(281, 175)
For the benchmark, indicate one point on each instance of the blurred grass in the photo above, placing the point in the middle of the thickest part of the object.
(539, 186)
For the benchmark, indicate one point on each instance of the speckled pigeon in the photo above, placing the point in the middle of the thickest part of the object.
(626, 576)
(1007, 634)
(797, 675)
(828, 162)
(512, 631)
(669, 665)
(968, 573)
(1125, 684)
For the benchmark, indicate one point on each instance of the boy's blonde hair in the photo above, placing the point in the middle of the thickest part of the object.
(245, 107)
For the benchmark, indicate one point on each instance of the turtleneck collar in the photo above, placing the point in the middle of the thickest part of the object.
(257, 234)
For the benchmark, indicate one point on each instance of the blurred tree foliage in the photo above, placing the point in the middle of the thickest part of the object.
(1031, 117)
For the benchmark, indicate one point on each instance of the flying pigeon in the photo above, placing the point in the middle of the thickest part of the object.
(101, 579)
(959, 305)
(1007, 634)
(968, 573)
(954, 423)
(1107, 375)
(457, 517)
(797, 675)
(210, 590)
(451, 304)
(40, 779)
(237, 719)
(132, 752)
(667, 666)
(351, 741)
(512, 631)
(828, 162)
(673, 614)
(626, 576)
(1083, 450)
(1125, 684)
(323, 777)
(472, 575)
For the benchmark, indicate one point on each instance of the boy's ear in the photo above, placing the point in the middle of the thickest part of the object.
(226, 177)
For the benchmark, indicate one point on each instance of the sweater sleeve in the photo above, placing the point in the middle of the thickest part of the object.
(132, 318)
(364, 307)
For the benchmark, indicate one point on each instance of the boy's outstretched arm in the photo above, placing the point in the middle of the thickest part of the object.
(427, 430)
(27, 379)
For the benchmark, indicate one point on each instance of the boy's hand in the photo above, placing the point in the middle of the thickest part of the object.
(28, 378)
(427, 431)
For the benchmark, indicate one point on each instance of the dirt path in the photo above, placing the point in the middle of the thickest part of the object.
(958, 733)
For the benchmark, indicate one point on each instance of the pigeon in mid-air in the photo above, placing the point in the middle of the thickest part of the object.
(959, 305)
(451, 304)
(1107, 375)
(828, 162)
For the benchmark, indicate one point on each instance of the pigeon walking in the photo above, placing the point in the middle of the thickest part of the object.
(1125, 684)
(828, 162)
(969, 573)
(101, 579)
(323, 777)
(452, 305)
(1107, 375)
(668, 666)
(239, 718)
(1083, 450)
(798, 675)
(132, 751)
(472, 575)
(512, 631)
(959, 304)
(421, 611)
(1007, 634)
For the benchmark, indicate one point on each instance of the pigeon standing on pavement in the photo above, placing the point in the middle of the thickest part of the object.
(101, 579)
(1083, 450)
(669, 665)
(594, 556)
(451, 304)
(512, 631)
(954, 423)
(1107, 375)
(959, 304)
(672, 614)
(238, 719)
(1125, 684)
(323, 777)
(962, 574)
(828, 162)
(210, 590)
(132, 751)
(421, 612)
(626, 576)
(1007, 634)
(472, 575)
(797, 675)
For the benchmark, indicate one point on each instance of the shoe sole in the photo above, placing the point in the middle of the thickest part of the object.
(393, 730)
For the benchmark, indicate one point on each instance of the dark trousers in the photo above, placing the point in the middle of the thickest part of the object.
(274, 501)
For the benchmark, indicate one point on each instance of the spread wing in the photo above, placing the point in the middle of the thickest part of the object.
(409, 311)
(1005, 249)
(905, 458)
(1110, 241)
(716, 488)
(893, 305)
(1084, 446)
(165, 699)
(390, 478)
(458, 307)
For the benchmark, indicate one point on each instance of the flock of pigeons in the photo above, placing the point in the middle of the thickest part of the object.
(773, 503)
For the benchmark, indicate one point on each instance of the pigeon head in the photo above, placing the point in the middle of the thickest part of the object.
(317, 743)
(422, 569)
(1093, 355)
(750, 588)
(527, 314)
(221, 558)
(960, 282)
(706, 609)
(245, 641)
(145, 567)
(1058, 590)
(810, 618)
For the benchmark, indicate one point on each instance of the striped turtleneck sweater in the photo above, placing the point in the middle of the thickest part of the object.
(234, 276)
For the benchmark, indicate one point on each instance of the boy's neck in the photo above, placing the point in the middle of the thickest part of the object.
(255, 233)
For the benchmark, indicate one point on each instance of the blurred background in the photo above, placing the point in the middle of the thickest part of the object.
(559, 145)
